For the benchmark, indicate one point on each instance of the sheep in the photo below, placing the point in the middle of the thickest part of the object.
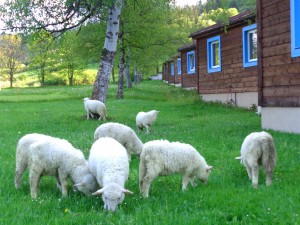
(258, 149)
(123, 134)
(162, 158)
(259, 110)
(44, 155)
(108, 162)
(146, 119)
(94, 106)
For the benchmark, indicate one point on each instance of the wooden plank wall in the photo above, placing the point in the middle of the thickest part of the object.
(188, 80)
(281, 72)
(233, 78)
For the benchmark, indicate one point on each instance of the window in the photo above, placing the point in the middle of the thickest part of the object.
(295, 28)
(172, 69)
(179, 66)
(214, 54)
(250, 46)
(191, 62)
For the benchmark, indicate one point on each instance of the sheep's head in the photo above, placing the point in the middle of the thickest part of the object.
(203, 174)
(112, 196)
(85, 99)
(88, 184)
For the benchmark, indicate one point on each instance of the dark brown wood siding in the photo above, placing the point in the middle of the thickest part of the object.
(188, 80)
(280, 72)
(233, 78)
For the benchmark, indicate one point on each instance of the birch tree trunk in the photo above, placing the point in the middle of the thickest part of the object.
(108, 53)
(127, 75)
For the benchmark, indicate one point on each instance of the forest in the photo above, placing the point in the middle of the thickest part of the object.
(150, 33)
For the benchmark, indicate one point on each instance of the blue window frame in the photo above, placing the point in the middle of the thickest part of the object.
(179, 66)
(214, 58)
(250, 46)
(191, 62)
(172, 69)
(295, 28)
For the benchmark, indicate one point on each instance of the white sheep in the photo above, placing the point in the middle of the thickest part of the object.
(161, 158)
(44, 155)
(146, 119)
(108, 161)
(123, 134)
(94, 106)
(258, 149)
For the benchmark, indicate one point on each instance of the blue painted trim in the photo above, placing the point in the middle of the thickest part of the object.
(172, 69)
(246, 61)
(189, 69)
(179, 66)
(210, 68)
(295, 28)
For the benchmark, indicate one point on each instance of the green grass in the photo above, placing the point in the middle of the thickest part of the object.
(215, 130)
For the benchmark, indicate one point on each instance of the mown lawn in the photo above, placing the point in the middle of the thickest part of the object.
(217, 131)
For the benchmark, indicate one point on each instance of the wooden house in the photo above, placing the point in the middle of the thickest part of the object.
(177, 70)
(226, 60)
(279, 64)
(188, 66)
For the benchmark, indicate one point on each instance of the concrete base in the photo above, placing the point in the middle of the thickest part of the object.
(178, 85)
(244, 100)
(281, 119)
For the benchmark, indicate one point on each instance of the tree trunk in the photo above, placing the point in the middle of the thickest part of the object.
(108, 53)
(11, 76)
(135, 76)
(120, 92)
(127, 75)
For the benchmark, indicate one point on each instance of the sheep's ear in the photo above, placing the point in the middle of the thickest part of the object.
(125, 191)
(99, 192)
(238, 158)
(209, 168)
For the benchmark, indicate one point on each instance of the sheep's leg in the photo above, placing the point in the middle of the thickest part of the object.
(146, 185)
(255, 171)
(63, 179)
(20, 168)
(192, 181)
(268, 173)
(249, 172)
(148, 129)
(58, 183)
(185, 181)
(34, 177)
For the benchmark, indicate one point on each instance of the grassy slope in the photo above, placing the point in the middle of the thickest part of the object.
(215, 130)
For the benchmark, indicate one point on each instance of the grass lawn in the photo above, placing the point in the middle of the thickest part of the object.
(215, 130)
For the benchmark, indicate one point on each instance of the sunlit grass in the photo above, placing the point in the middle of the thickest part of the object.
(215, 130)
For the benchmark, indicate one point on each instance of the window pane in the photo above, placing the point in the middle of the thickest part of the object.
(252, 45)
(192, 62)
(215, 54)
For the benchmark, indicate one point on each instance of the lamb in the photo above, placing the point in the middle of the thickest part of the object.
(146, 119)
(108, 162)
(258, 149)
(123, 134)
(94, 106)
(44, 155)
(161, 158)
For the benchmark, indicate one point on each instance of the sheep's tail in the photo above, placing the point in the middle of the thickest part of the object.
(142, 171)
(269, 155)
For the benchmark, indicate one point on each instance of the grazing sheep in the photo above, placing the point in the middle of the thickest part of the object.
(161, 158)
(123, 134)
(94, 106)
(146, 119)
(45, 155)
(259, 109)
(108, 161)
(258, 149)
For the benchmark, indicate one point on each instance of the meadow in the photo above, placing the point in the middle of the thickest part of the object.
(215, 130)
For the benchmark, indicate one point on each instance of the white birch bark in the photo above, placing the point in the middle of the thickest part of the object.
(108, 53)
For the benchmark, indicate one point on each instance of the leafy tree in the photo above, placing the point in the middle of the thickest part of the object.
(68, 54)
(11, 49)
(40, 45)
